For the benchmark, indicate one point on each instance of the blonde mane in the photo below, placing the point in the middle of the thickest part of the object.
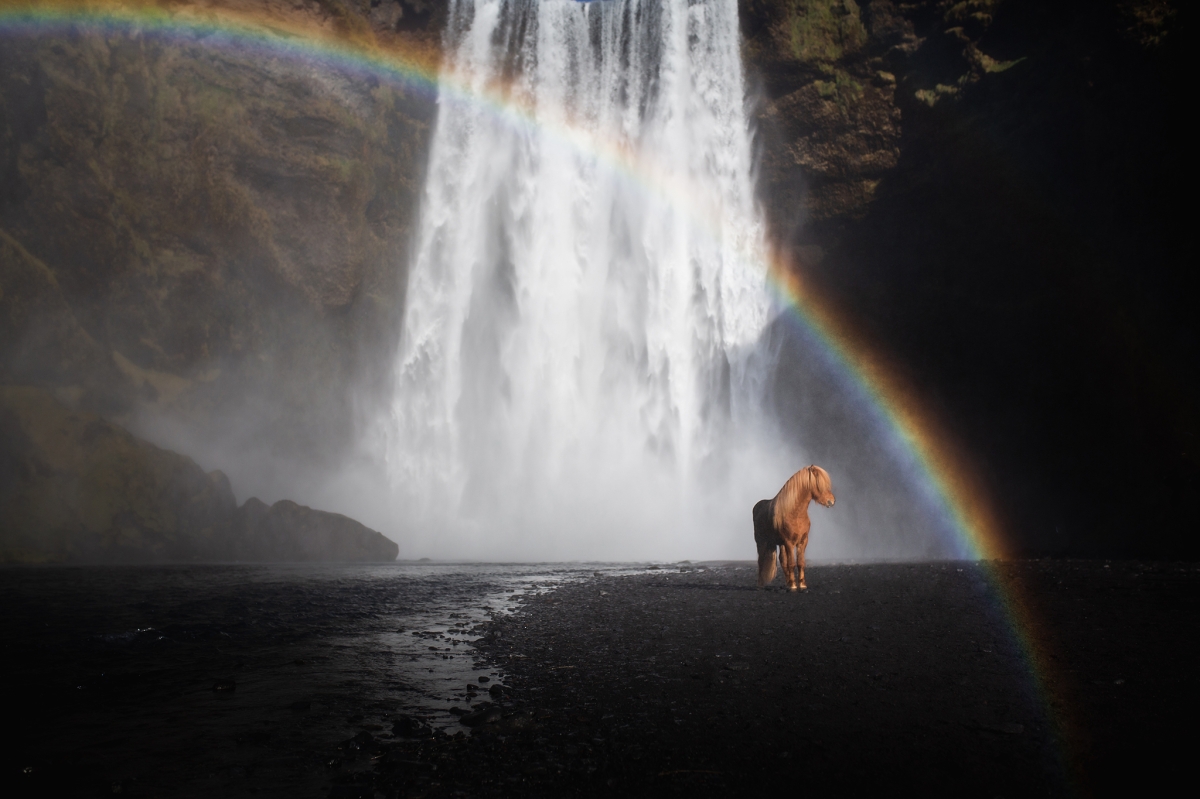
(781, 525)
(800, 487)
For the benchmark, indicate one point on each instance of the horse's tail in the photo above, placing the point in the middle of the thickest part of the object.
(766, 540)
(766, 566)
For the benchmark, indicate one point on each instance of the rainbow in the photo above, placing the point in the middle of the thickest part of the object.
(962, 498)
(896, 408)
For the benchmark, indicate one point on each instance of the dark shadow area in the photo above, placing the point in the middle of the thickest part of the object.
(1020, 253)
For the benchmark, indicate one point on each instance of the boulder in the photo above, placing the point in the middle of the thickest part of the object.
(287, 531)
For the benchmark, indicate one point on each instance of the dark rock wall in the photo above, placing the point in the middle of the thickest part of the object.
(992, 192)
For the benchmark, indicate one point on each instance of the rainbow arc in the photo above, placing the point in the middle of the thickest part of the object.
(942, 467)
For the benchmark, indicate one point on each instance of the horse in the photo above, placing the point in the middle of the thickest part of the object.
(783, 522)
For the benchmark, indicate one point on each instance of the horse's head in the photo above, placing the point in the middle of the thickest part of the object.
(822, 486)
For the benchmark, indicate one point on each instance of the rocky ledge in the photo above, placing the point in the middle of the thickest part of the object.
(77, 488)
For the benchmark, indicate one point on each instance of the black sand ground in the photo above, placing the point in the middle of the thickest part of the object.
(879, 680)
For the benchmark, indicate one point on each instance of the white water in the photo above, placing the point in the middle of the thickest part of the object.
(580, 374)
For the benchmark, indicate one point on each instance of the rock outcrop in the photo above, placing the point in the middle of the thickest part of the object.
(286, 531)
(75, 488)
(987, 190)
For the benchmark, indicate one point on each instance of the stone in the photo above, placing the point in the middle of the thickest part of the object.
(287, 531)
(409, 727)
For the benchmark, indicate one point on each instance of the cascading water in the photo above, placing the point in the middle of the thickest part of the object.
(580, 371)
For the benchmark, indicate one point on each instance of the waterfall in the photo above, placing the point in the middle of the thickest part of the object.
(580, 371)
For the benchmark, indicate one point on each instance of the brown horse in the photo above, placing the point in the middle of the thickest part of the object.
(783, 522)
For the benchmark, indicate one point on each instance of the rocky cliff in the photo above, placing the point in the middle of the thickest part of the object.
(988, 190)
(75, 488)
(223, 226)
(210, 238)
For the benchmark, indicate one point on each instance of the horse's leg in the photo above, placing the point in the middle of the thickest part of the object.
(789, 564)
(802, 547)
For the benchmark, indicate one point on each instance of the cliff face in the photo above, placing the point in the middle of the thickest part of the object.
(224, 227)
(988, 190)
(75, 488)
(207, 237)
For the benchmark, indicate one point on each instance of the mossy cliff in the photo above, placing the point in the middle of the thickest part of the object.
(76, 488)
(211, 238)
(988, 190)
(224, 226)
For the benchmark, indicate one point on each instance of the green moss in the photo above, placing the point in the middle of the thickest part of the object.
(992, 65)
(824, 30)
(843, 90)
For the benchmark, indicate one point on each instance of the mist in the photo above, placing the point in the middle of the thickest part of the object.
(587, 367)
(587, 364)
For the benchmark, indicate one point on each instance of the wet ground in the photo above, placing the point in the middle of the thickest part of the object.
(290, 681)
(235, 680)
